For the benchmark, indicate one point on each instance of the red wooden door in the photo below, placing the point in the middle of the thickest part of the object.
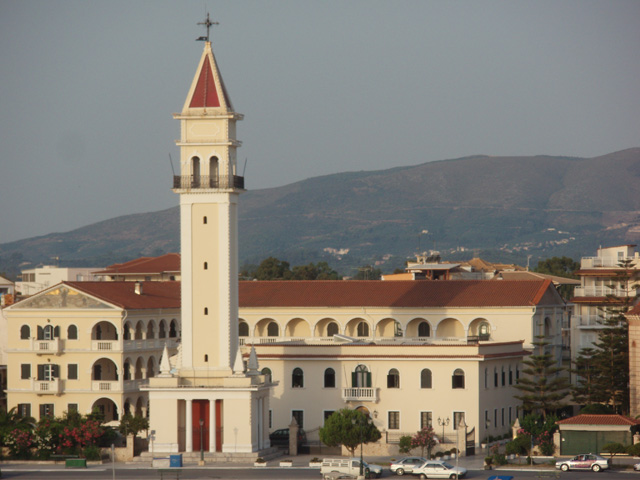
(201, 412)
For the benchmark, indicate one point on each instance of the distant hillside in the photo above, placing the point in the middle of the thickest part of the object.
(507, 207)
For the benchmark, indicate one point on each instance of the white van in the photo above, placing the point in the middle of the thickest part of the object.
(350, 466)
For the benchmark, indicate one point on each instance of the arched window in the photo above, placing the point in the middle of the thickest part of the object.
(504, 379)
(425, 378)
(173, 333)
(424, 330)
(213, 172)
(457, 380)
(243, 329)
(138, 334)
(273, 330)
(150, 330)
(484, 331)
(361, 378)
(126, 371)
(127, 332)
(25, 332)
(363, 329)
(329, 378)
(266, 372)
(332, 329)
(195, 172)
(72, 332)
(49, 332)
(162, 329)
(393, 378)
(297, 378)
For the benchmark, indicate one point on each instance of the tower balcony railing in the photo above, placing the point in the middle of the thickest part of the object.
(198, 182)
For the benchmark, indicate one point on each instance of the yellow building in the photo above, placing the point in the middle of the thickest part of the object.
(89, 345)
(408, 353)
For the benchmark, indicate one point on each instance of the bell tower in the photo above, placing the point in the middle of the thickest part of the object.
(209, 187)
(203, 399)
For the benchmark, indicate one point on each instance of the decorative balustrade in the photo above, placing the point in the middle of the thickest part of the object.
(603, 291)
(359, 394)
(46, 347)
(47, 387)
(597, 262)
(106, 385)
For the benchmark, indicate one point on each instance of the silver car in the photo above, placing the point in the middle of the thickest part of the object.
(438, 469)
(406, 465)
(587, 461)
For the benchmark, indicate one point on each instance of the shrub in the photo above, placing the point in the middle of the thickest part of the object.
(405, 444)
(92, 452)
(439, 454)
(488, 460)
(500, 459)
(613, 448)
(634, 450)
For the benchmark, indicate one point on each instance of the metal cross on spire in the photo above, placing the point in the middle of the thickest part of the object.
(207, 23)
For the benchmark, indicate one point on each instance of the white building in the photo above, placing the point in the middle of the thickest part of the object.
(37, 279)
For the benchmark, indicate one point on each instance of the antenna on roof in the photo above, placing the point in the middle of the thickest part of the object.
(207, 23)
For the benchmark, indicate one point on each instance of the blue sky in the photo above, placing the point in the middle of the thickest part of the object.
(88, 89)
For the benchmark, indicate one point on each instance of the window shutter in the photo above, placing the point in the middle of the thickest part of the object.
(40, 333)
(354, 379)
(56, 332)
(56, 371)
(25, 371)
(43, 410)
(40, 372)
(368, 379)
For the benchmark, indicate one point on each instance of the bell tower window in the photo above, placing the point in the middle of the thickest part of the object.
(195, 172)
(213, 172)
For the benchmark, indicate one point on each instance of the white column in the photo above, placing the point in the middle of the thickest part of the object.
(189, 429)
(212, 425)
(260, 422)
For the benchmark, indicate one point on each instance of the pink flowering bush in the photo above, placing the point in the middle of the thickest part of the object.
(424, 438)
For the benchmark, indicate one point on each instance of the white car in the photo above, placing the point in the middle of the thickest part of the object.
(588, 461)
(406, 465)
(438, 469)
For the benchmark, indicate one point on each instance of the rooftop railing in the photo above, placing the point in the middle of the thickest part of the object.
(198, 182)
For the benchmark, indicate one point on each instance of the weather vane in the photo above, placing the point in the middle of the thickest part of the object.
(207, 23)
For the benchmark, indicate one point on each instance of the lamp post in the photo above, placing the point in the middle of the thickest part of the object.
(201, 444)
(361, 423)
(443, 422)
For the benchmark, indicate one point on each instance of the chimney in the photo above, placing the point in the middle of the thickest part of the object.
(138, 288)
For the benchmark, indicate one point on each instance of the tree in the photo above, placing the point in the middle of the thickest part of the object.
(425, 438)
(346, 427)
(132, 425)
(584, 391)
(321, 271)
(543, 386)
(611, 357)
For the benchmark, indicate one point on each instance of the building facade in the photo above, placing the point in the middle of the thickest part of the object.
(84, 346)
(37, 279)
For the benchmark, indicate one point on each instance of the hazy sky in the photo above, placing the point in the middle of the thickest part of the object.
(88, 88)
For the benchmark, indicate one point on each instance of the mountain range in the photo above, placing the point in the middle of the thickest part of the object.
(503, 208)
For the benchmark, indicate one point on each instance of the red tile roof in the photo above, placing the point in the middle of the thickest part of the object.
(169, 262)
(122, 294)
(338, 293)
(599, 420)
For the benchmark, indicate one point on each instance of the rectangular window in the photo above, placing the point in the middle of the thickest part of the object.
(510, 376)
(510, 418)
(327, 414)
(24, 410)
(25, 371)
(46, 410)
(502, 414)
(495, 417)
(72, 407)
(47, 372)
(72, 371)
(270, 418)
(495, 377)
(394, 420)
(504, 382)
(426, 419)
(299, 416)
(457, 418)
(486, 419)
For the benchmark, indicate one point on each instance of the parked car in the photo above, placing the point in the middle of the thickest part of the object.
(636, 467)
(406, 465)
(439, 469)
(280, 438)
(349, 466)
(587, 461)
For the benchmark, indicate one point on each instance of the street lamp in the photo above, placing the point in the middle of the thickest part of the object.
(201, 444)
(443, 422)
(361, 423)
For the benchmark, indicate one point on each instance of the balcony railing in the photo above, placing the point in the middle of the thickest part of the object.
(47, 387)
(596, 262)
(46, 347)
(106, 385)
(603, 291)
(359, 394)
(106, 345)
(190, 182)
